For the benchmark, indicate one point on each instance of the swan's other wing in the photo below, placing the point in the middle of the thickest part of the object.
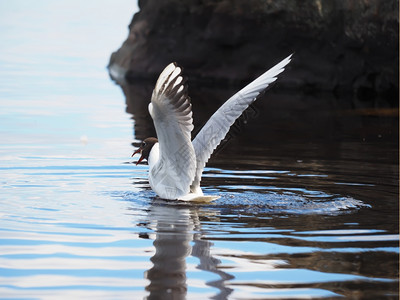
(171, 111)
(218, 126)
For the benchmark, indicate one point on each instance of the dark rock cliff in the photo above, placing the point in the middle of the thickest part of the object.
(340, 46)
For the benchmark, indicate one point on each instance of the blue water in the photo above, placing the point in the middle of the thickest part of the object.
(79, 220)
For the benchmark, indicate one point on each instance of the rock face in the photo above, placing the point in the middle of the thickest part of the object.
(340, 46)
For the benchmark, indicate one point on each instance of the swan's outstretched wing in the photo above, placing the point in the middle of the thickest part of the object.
(171, 111)
(218, 126)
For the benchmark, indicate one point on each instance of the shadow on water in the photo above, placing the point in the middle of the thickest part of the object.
(230, 248)
(308, 182)
(281, 118)
(177, 235)
(329, 144)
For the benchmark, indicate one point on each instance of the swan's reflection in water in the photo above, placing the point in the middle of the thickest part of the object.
(178, 236)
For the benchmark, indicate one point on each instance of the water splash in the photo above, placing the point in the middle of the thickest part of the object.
(289, 203)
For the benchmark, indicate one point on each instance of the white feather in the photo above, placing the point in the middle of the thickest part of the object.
(176, 163)
(218, 125)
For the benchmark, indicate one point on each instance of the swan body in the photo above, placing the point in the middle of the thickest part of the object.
(176, 162)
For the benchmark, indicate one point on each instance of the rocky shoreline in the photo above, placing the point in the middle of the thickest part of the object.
(343, 47)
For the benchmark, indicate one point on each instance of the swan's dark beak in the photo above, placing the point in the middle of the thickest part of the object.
(141, 158)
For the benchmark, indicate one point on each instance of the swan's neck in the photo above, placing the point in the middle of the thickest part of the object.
(154, 155)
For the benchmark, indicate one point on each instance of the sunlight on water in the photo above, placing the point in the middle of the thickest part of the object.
(55, 91)
(79, 220)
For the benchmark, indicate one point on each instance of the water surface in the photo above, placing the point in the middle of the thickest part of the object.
(308, 185)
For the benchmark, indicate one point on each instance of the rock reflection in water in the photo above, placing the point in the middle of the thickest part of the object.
(177, 236)
(276, 119)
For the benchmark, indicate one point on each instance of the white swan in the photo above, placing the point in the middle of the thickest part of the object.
(176, 162)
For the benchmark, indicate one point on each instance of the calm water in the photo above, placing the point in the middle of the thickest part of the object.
(308, 186)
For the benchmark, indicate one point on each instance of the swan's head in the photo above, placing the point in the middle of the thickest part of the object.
(145, 149)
